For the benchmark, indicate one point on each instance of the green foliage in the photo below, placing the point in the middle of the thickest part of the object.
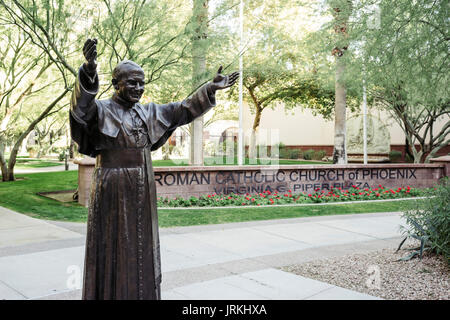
(319, 154)
(312, 154)
(429, 222)
(308, 154)
(406, 63)
(395, 156)
(288, 197)
(294, 154)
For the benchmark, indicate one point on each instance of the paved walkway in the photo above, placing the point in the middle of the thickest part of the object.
(61, 167)
(44, 259)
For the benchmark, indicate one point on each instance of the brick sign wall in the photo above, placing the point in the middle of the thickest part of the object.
(195, 181)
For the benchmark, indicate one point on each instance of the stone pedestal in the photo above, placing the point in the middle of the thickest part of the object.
(85, 171)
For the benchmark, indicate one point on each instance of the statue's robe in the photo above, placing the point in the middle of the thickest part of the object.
(122, 247)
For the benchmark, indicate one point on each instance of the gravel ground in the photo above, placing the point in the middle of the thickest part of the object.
(426, 279)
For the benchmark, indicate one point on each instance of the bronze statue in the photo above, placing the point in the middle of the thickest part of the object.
(122, 247)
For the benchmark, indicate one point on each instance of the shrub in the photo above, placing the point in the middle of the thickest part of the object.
(282, 151)
(294, 154)
(308, 154)
(284, 154)
(395, 156)
(429, 222)
(319, 154)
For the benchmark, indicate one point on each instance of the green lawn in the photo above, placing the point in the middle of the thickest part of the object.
(21, 196)
(185, 217)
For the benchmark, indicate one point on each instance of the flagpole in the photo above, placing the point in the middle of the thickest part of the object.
(364, 122)
(241, 67)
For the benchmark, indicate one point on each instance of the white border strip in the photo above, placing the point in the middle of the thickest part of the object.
(290, 205)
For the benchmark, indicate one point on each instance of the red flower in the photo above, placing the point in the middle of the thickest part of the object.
(310, 195)
(377, 194)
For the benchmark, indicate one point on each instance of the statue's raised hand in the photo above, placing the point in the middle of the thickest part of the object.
(224, 81)
(90, 53)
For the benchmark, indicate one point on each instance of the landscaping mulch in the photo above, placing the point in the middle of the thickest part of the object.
(426, 279)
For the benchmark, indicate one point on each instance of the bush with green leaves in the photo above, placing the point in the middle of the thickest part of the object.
(429, 222)
(308, 154)
(294, 154)
(319, 154)
(395, 156)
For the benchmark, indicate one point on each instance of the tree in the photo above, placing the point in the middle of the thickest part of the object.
(151, 33)
(280, 65)
(407, 61)
(199, 25)
(35, 67)
(341, 10)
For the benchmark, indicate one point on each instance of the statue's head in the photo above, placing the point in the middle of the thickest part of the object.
(128, 81)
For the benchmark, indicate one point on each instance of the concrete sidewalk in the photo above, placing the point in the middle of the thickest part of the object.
(44, 259)
(61, 167)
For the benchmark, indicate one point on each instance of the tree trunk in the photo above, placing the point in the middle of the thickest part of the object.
(252, 152)
(71, 150)
(339, 152)
(17, 144)
(341, 12)
(3, 165)
(199, 50)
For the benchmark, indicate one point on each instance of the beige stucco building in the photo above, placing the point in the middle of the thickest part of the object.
(301, 128)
